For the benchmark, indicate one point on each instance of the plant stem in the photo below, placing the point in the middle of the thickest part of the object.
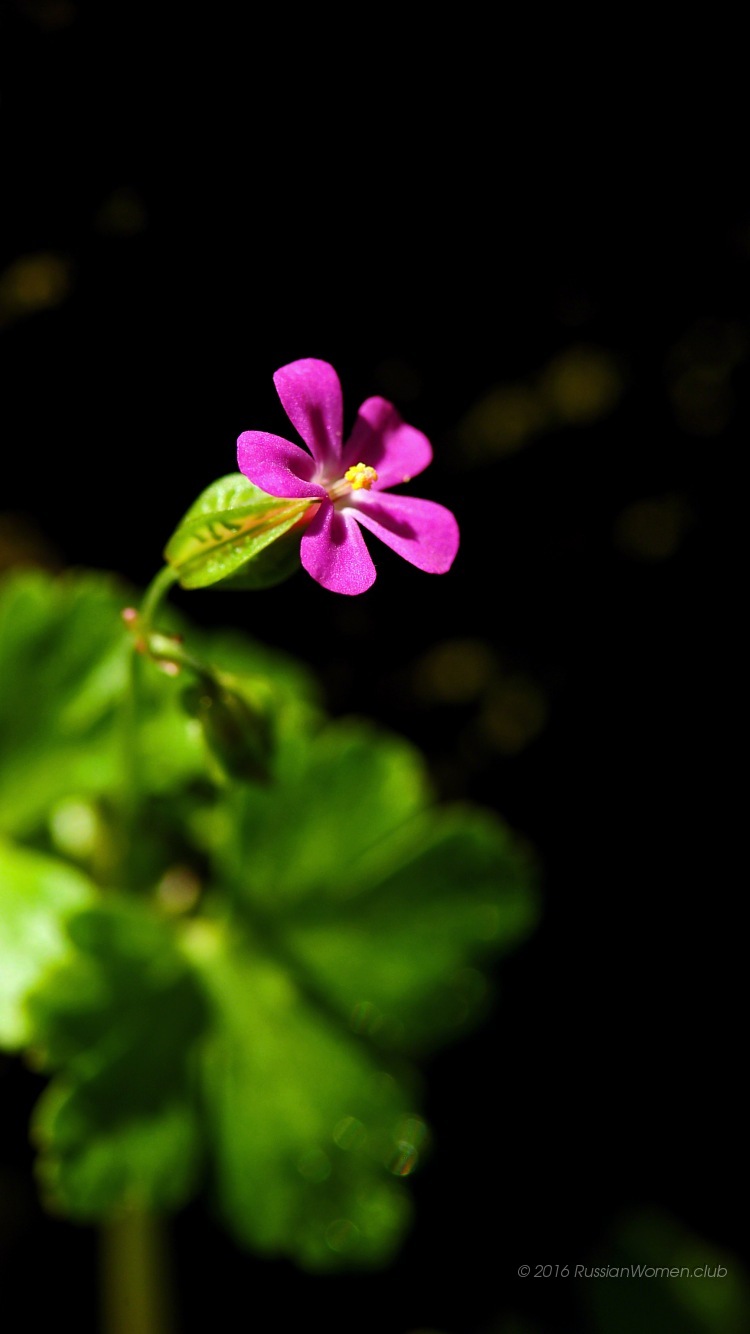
(155, 592)
(151, 600)
(129, 736)
(135, 1287)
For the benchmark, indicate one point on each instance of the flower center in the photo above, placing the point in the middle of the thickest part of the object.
(360, 476)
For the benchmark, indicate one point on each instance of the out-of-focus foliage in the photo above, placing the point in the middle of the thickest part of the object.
(63, 666)
(384, 899)
(227, 979)
(37, 895)
(310, 1128)
(698, 1300)
(119, 1020)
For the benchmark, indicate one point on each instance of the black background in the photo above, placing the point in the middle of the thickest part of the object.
(431, 236)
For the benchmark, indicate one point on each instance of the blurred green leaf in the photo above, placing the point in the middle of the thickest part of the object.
(37, 894)
(336, 796)
(276, 682)
(237, 732)
(63, 665)
(310, 1132)
(339, 918)
(64, 670)
(381, 902)
(229, 525)
(398, 956)
(120, 1019)
(697, 1299)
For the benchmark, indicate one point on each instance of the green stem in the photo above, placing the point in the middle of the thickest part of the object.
(135, 1271)
(155, 592)
(151, 599)
(130, 734)
(131, 759)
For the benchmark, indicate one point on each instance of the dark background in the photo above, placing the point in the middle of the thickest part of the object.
(208, 208)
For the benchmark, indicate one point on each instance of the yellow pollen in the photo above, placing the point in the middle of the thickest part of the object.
(361, 475)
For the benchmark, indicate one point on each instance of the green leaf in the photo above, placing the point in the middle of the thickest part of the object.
(356, 917)
(119, 1019)
(229, 525)
(381, 902)
(398, 959)
(236, 730)
(272, 566)
(37, 895)
(64, 657)
(276, 685)
(337, 795)
(63, 667)
(687, 1292)
(310, 1132)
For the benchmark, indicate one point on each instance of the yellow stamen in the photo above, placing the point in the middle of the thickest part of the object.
(361, 475)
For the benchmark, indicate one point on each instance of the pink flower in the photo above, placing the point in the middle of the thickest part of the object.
(352, 482)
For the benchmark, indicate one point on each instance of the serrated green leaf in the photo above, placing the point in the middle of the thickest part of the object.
(229, 525)
(37, 895)
(120, 1020)
(310, 1132)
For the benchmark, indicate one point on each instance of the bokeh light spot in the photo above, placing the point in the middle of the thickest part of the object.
(653, 529)
(74, 826)
(454, 672)
(349, 1133)
(582, 384)
(33, 283)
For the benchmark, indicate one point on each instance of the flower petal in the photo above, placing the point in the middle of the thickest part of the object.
(310, 395)
(384, 441)
(333, 551)
(422, 532)
(277, 466)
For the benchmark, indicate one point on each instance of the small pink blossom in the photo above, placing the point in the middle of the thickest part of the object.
(351, 482)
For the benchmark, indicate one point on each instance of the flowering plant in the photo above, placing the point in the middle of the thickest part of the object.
(225, 991)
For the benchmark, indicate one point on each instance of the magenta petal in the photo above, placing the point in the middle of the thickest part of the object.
(310, 395)
(333, 551)
(383, 440)
(277, 466)
(422, 532)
